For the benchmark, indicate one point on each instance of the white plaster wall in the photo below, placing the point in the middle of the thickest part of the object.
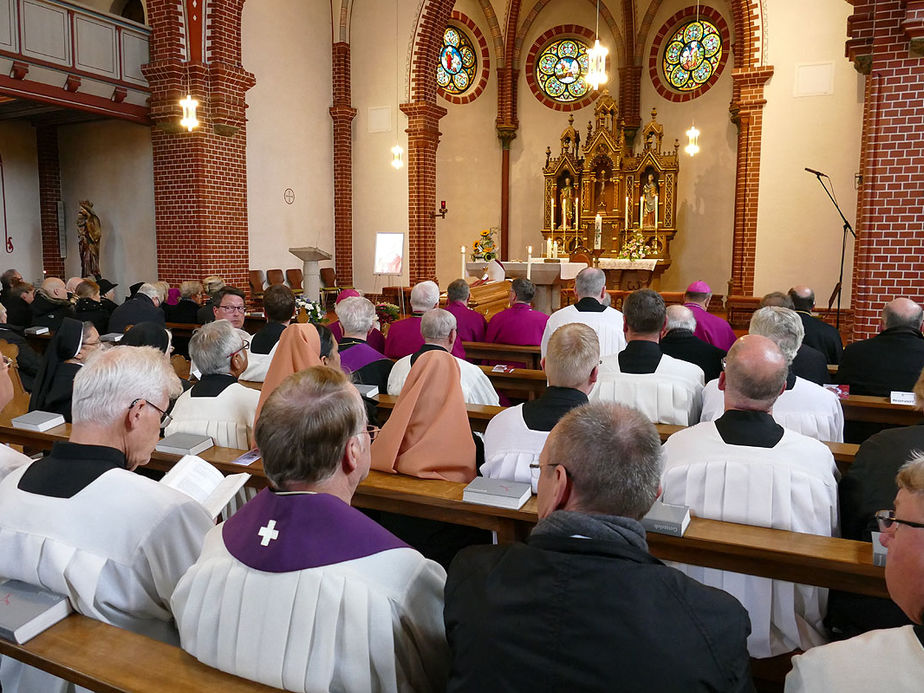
(21, 199)
(799, 231)
(468, 170)
(110, 163)
(541, 127)
(701, 248)
(286, 44)
(379, 79)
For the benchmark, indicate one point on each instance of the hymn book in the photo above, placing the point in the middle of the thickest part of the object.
(36, 329)
(38, 421)
(184, 444)
(497, 492)
(27, 610)
(200, 480)
(667, 519)
(367, 391)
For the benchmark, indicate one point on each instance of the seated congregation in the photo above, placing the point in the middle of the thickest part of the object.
(299, 590)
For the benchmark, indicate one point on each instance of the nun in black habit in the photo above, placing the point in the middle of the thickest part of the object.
(73, 342)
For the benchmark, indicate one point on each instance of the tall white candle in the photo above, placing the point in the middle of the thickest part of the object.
(577, 213)
(553, 212)
(656, 212)
(555, 250)
(641, 210)
(529, 262)
(598, 232)
(464, 271)
(626, 220)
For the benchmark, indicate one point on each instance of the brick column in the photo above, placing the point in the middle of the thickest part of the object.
(630, 89)
(886, 39)
(200, 178)
(342, 113)
(747, 113)
(49, 175)
(423, 137)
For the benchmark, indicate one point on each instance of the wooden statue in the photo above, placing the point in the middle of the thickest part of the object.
(89, 233)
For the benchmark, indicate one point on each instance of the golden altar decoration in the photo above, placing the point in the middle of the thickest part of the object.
(600, 193)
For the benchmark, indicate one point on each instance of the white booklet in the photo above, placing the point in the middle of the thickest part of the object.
(200, 480)
(27, 610)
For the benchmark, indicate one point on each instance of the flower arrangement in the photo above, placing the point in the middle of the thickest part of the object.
(387, 313)
(484, 248)
(313, 310)
(634, 248)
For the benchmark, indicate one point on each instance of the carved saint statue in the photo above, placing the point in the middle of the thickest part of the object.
(650, 193)
(567, 205)
(89, 233)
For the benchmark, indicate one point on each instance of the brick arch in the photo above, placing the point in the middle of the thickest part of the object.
(497, 38)
(480, 44)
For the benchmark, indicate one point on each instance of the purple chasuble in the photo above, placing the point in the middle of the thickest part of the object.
(520, 325)
(470, 323)
(404, 339)
(711, 328)
(355, 357)
(375, 339)
(285, 532)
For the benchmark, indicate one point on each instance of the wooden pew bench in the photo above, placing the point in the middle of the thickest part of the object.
(825, 561)
(108, 659)
(503, 352)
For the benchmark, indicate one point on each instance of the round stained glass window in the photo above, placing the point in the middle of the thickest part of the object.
(693, 53)
(561, 69)
(458, 64)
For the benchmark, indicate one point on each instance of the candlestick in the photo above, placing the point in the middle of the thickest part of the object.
(598, 232)
(548, 248)
(553, 211)
(626, 220)
(529, 262)
(656, 212)
(464, 271)
(641, 210)
(577, 213)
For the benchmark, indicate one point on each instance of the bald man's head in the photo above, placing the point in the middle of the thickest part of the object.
(803, 298)
(54, 288)
(902, 312)
(755, 374)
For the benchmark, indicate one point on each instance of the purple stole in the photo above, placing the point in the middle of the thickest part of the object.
(285, 532)
(357, 356)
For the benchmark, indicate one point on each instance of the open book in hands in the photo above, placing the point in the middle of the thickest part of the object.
(200, 480)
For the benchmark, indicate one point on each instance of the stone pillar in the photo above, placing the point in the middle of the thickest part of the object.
(200, 177)
(423, 137)
(747, 113)
(886, 42)
(49, 175)
(342, 114)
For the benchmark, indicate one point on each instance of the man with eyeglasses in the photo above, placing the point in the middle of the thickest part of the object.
(229, 305)
(891, 659)
(80, 523)
(583, 605)
(218, 405)
(316, 594)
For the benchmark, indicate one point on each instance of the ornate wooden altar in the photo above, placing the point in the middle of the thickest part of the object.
(599, 195)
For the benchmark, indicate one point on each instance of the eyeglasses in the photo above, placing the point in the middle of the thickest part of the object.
(8, 362)
(244, 346)
(373, 431)
(886, 518)
(165, 418)
(232, 309)
(536, 465)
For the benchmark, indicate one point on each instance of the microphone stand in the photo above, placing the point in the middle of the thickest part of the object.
(847, 227)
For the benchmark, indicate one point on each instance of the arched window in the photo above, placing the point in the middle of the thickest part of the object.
(561, 69)
(692, 55)
(458, 62)
(130, 9)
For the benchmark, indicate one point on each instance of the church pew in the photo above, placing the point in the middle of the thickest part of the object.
(503, 352)
(109, 659)
(825, 561)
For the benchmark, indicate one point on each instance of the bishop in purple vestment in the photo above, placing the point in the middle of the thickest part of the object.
(518, 324)
(471, 323)
(710, 328)
(404, 336)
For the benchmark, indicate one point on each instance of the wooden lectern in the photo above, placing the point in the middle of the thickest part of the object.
(310, 258)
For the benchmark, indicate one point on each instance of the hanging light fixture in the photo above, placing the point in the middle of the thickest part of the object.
(397, 152)
(693, 137)
(189, 120)
(596, 57)
(397, 157)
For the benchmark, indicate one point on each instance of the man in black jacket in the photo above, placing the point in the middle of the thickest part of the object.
(678, 341)
(582, 605)
(51, 304)
(818, 334)
(144, 306)
(893, 359)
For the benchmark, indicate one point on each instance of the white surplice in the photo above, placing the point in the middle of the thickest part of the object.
(791, 486)
(476, 386)
(11, 460)
(671, 395)
(510, 447)
(882, 660)
(116, 549)
(228, 418)
(608, 325)
(807, 408)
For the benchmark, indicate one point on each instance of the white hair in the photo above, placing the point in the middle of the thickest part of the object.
(680, 317)
(589, 282)
(424, 296)
(782, 325)
(106, 386)
(436, 324)
(149, 290)
(356, 314)
(211, 347)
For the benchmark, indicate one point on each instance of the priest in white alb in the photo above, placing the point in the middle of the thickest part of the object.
(590, 309)
(300, 591)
